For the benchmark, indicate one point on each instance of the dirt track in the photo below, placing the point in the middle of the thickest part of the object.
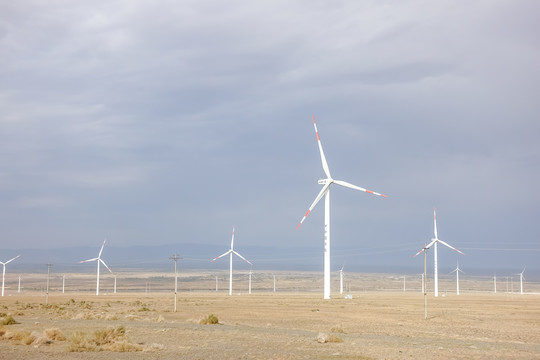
(284, 326)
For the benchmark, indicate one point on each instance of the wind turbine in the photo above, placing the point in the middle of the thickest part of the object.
(434, 243)
(457, 270)
(325, 191)
(341, 279)
(231, 252)
(4, 271)
(521, 281)
(98, 260)
(250, 270)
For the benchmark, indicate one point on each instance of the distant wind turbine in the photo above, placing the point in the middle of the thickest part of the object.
(341, 279)
(98, 260)
(457, 270)
(231, 252)
(4, 271)
(434, 243)
(250, 270)
(521, 281)
(325, 191)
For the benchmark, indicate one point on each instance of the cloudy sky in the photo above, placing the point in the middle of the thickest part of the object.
(166, 122)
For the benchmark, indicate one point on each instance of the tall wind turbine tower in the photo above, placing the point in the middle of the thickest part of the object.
(98, 260)
(325, 191)
(4, 271)
(434, 243)
(341, 279)
(521, 281)
(230, 253)
(457, 270)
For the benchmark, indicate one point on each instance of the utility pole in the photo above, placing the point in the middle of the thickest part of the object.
(175, 257)
(48, 275)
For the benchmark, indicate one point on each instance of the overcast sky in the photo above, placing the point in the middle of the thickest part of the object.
(161, 122)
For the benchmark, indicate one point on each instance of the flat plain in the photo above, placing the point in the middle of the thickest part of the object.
(287, 324)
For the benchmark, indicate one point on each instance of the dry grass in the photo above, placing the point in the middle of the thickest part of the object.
(19, 337)
(210, 319)
(337, 329)
(334, 339)
(109, 339)
(54, 334)
(9, 320)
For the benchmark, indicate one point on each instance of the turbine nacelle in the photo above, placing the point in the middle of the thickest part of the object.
(325, 181)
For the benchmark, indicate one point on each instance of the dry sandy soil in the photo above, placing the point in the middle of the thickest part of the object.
(371, 325)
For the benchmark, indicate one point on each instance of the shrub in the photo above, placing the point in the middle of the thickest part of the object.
(210, 319)
(9, 320)
(334, 339)
(54, 334)
(79, 343)
(110, 339)
(109, 335)
(337, 329)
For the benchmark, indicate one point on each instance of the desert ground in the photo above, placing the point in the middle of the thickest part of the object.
(139, 322)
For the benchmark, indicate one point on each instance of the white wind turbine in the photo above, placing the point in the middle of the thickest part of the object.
(98, 260)
(325, 191)
(341, 279)
(231, 252)
(457, 270)
(434, 243)
(4, 271)
(521, 281)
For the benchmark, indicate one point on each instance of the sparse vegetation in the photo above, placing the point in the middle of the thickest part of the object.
(337, 329)
(210, 319)
(110, 339)
(54, 334)
(334, 339)
(9, 320)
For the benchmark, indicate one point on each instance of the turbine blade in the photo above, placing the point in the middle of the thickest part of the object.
(323, 158)
(418, 253)
(103, 262)
(435, 223)
(94, 259)
(319, 197)
(351, 186)
(102, 246)
(451, 247)
(20, 255)
(232, 240)
(243, 258)
(220, 256)
(431, 243)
